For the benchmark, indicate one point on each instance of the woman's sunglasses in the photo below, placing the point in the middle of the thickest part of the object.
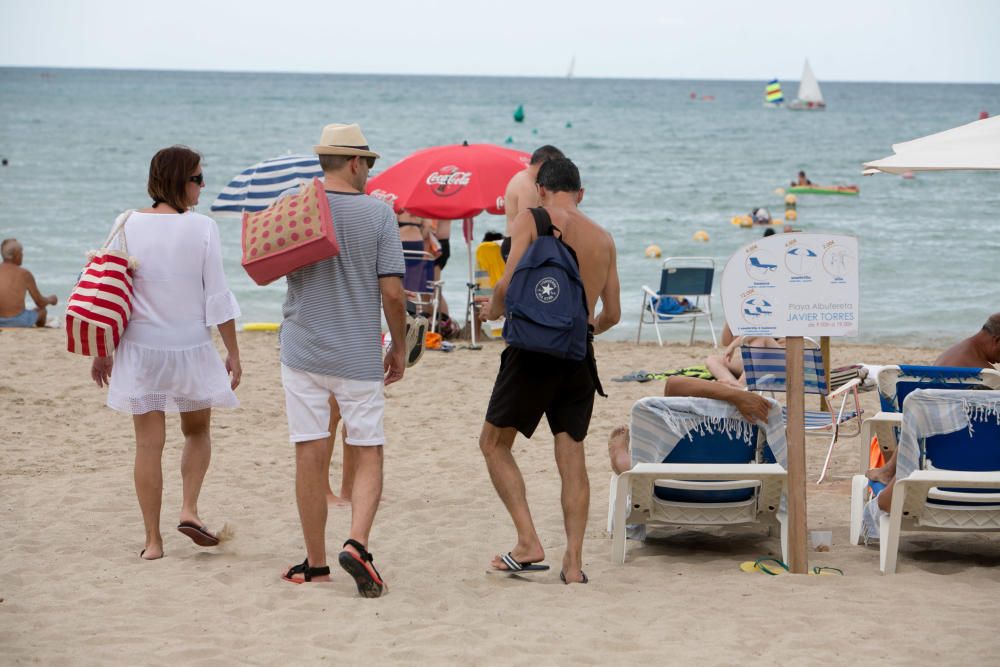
(198, 178)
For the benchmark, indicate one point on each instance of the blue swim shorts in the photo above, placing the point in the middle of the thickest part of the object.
(27, 318)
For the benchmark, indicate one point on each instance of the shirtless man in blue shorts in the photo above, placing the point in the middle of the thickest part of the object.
(15, 283)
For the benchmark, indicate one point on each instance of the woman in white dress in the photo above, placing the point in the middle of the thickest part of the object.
(166, 360)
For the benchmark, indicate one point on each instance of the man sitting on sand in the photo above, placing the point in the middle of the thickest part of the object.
(981, 350)
(728, 366)
(753, 407)
(15, 283)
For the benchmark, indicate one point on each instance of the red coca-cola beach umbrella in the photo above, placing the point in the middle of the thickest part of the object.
(449, 182)
(456, 182)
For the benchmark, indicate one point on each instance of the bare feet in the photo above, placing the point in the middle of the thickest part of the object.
(618, 442)
(532, 554)
(882, 475)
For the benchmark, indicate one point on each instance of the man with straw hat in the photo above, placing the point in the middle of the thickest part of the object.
(330, 347)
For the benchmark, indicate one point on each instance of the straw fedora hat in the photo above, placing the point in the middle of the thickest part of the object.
(339, 139)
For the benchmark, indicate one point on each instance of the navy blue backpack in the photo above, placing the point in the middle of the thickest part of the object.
(545, 301)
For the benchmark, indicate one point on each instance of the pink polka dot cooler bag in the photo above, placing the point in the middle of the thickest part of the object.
(294, 232)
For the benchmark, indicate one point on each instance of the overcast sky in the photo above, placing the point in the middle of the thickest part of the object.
(845, 40)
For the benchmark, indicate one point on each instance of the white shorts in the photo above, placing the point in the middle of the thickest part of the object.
(307, 405)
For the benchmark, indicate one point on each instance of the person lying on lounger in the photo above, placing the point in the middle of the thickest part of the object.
(981, 350)
(753, 407)
(728, 366)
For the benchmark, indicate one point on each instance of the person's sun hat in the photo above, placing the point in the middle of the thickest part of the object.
(339, 139)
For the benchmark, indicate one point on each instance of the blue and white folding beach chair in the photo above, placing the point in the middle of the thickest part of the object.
(947, 472)
(418, 282)
(680, 278)
(896, 382)
(764, 371)
(696, 461)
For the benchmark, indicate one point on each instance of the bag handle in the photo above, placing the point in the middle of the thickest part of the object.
(119, 228)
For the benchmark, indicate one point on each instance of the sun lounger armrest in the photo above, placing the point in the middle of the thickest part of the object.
(649, 292)
(851, 384)
(870, 427)
(952, 478)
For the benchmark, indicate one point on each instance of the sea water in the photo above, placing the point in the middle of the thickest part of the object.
(657, 165)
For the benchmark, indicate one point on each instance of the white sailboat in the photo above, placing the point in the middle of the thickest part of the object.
(810, 97)
(572, 63)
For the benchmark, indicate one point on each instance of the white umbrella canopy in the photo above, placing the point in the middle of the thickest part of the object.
(975, 146)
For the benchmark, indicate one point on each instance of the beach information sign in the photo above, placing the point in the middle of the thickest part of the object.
(793, 285)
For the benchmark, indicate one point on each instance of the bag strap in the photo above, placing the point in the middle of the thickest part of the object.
(119, 228)
(543, 222)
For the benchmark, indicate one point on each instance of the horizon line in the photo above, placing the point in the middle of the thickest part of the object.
(485, 76)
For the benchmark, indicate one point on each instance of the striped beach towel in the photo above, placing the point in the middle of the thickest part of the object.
(928, 412)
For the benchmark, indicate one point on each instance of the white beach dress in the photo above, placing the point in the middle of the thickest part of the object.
(167, 360)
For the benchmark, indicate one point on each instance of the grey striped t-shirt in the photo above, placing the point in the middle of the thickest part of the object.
(333, 323)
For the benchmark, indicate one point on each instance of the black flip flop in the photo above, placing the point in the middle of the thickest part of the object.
(515, 566)
(362, 569)
(562, 578)
(307, 572)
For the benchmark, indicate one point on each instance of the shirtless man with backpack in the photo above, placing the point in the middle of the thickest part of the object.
(561, 263)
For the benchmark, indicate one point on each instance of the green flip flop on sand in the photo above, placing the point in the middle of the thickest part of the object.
(775, 566)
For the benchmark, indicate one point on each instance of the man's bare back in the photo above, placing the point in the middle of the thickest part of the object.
(16, 283)
(980, 350)
(521, 194)
(595, 253)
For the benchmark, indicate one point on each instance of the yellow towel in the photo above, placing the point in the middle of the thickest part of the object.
(490, 260)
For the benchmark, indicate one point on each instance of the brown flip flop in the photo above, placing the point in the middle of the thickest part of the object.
(198, 534)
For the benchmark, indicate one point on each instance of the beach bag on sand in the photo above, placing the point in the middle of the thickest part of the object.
(545, 303)
(100, 304)
(294, 232)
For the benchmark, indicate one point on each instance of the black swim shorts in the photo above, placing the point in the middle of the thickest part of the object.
(530, 384)
(442, 259)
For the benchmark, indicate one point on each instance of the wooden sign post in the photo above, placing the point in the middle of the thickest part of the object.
(795, 436)
(794, 285)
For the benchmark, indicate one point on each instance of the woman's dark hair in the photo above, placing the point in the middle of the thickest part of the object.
(559, 175)
(492, 236)
(170, 171)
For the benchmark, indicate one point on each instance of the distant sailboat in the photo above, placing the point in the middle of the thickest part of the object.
(572, 62)
(810, 97)
(773, 97)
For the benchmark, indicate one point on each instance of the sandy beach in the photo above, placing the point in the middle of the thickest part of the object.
(75, 592)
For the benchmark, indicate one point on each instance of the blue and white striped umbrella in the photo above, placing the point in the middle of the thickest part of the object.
(259, 186)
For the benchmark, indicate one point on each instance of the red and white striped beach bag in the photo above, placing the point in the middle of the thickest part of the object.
(100, 305)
